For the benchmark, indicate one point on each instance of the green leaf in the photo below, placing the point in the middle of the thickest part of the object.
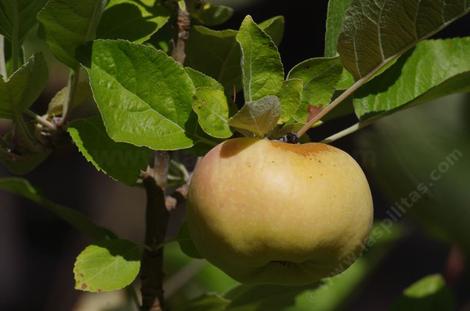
(17, 17)
(121, 161)
(320, 77)
(211, 14)
(222, 60)
(23, 87)
(210, 105)
(334, 24)
(131, 20)
(68, 25)
(82, 94)
(290, 97)
(206, 302)
(429, 293)
(21, 164)
(411, 80)
(377, 31)
(107, 266)
(262, 70)
(23, 188)
(144, 96)
(257, 118)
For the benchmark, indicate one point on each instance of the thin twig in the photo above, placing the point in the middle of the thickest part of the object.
(184, 25)
(3, 65)
(41, 120)
(348, 131)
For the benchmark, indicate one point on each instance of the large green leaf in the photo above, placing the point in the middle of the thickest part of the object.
(257, 118)
(17, 17)
(320, 77)
(121, 161)
(23, 87)
(376, 31)
(107, 266)
(144, 96)
(430, 293)
(131, 20)
(262, 69)
(210, 105)
(334, 24)
(222, 60)
(413, 80)
(69, 24)
(290, 97)
(23, 188)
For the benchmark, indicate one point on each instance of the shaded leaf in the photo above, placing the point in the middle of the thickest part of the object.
(17, 17)
(206, 302)
(144, 96)
(186, 243)
(320, 77)
(23, 87)
(376, 31)
(429, 293)
(21, 164)
(257, 118)
(210, 105)
(211, 14)
(131, 20)
(68, 25)
(107, 266)
(334, 24)
(262, 69)
(23, 188)
(412, 80)
(82, 94)
(121, 161)
(222, 60)
(290, 97)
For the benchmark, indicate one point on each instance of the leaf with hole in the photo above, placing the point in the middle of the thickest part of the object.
(107, 266)
(144, 96)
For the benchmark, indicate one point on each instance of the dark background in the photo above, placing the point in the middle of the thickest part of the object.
(37, 250)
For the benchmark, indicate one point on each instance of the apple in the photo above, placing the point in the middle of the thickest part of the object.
(268, 212)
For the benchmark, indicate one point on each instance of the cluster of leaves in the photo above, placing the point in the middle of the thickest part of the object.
(147, 101)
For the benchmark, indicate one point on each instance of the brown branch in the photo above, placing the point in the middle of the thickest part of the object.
(184, 25)
(152, 275)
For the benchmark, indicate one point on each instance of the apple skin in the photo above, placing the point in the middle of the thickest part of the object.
(267, 212)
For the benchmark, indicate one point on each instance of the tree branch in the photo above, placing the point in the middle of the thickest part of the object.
(152, 275)
(184, 25)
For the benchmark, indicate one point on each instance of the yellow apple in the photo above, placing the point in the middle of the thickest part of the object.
(270, 212)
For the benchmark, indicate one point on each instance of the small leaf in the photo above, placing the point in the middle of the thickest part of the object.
(210, 105)
(107, 266)
(131, 21)
(17, 17)
(290, 97)
(22, 164)
(429, 293)
(23, 188)
(258, 117)
(121, 161)
(262, 70)
(222, 60)
(411, 80)
(23, 87)
(334, 24)
(211, 14)
(68, 25)
(144, 96)
(82, 94)
(320, 77)
(376, 31)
